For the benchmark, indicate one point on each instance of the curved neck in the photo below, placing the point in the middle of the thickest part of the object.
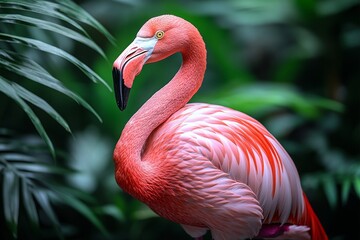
(165, 102)
(158, 109)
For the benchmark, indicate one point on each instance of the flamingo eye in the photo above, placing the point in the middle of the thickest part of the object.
(159, 34)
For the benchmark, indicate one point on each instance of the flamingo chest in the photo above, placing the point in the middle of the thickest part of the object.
(205, 143)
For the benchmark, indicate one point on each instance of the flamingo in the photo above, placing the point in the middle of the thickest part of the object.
(206, 167)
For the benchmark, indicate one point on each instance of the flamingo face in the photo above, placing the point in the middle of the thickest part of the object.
(128, 65)
(155, 41)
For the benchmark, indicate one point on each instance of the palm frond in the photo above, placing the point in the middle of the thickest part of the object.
(41, 7)
(18, 19)
(50, 26)
(40, 103)
(76, 12)
(11, 92)
(31, 70)
(11, 199)
(48, 48)
(28, 181)
(66, 11)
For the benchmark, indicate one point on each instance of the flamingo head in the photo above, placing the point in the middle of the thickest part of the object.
(158, 38)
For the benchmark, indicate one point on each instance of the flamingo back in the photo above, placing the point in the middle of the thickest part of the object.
(240, 147)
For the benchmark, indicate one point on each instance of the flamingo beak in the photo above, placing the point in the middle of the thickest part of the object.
(128, 65)
(121, 91)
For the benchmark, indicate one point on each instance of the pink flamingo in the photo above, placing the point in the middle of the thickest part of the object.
(203, 166)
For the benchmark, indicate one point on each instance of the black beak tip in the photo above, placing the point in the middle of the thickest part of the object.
(120, 106)
(121, 91)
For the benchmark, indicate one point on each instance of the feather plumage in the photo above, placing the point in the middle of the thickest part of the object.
(204, 166)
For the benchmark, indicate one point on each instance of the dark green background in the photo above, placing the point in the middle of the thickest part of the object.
(292, 64)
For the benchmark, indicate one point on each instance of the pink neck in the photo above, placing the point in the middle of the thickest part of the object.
(155, 111)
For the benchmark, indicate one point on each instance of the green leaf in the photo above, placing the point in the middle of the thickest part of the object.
(76, 12)
(346, 184)
(11, 200)
(28, 202)
(40, 103)
(84, 210)
(113, 211)
(41, 7)
(33, 43)
(7, 146)
(43, 200)
(328, 104)
(261, 97)
(29, 171)
(330, 190)
(144, 212)
(10, 157)
(50, 26)
(8, 90)
(71, 191)
(28, 68)
(66, 11)
(356, 183)
(41, 168)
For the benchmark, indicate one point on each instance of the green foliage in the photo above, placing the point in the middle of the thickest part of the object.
(264, 98)
(291, 64)
(15, 58)
(29, 179)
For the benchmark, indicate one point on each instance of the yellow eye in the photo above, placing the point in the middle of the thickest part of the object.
(159, 34)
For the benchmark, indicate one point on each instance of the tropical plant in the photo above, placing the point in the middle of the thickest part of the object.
(291, 64)
(31, 180)
(31, 183)
(24, 25)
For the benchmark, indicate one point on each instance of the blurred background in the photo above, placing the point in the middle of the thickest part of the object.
(292, 64)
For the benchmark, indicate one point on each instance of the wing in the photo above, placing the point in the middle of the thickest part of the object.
(241, 147)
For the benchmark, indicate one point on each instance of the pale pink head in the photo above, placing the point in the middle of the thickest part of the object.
(157, 39)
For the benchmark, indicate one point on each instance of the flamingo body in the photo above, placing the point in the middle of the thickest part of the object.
(200, 165)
